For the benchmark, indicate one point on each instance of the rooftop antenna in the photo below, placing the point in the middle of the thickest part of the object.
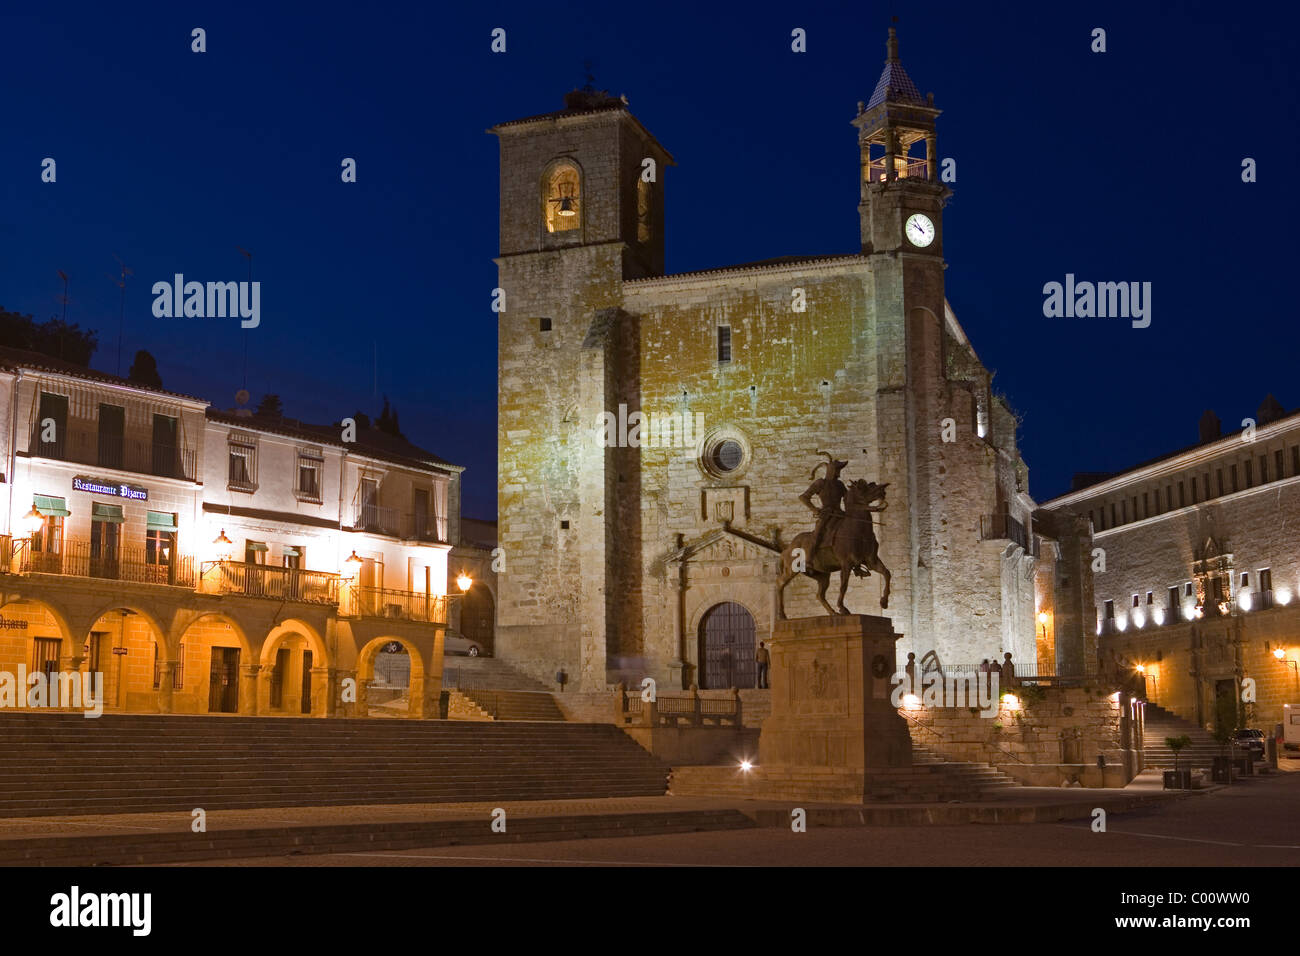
(124, 271)
(376, 345)
(64, 298)
(249, 256)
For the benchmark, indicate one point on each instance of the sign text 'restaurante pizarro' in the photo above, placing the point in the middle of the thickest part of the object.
(116, 489)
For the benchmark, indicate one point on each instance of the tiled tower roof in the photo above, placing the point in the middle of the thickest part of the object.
(894, 83)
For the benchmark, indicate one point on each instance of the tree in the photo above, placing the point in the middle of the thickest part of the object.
(270, 406)
(387, 421)
(1176, 744)
(144, 370)
(54, 338)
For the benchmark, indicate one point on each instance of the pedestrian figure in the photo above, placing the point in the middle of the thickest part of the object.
(762, 658)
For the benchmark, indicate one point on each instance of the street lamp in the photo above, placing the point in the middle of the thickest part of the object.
(223, 545)
(1280, 654)
(464, 582)
(352, 566)
(31, 522)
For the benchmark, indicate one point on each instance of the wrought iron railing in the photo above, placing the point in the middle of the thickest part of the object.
(907, 167)
(423, 527)
(1003, 527)
(376, 519)
(121, 454)
(268, 581)
(361, 601)
(133, 563)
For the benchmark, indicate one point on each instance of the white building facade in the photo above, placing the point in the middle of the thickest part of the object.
(205, 561)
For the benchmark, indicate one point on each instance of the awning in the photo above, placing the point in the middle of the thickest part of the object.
(109, 513)
(292, 553)
(255, 546)
(161, 521)
(50, 506)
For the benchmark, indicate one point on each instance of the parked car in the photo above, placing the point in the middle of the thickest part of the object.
(456, 646)
(1251, 740)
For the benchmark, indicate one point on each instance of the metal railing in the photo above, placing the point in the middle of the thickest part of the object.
(121, 454)
(267, 581)
(377, 519)
(906, 167)
(361, 601)
(1003, 527)
(132, 563)
(425, 527)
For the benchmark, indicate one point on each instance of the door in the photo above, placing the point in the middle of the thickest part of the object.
(112, 432)
(277, 678)
(727, 645)
(50, 440)
(368, 591)
(166, 448)
(45, 660)
(104, 540)
(422, 529)
(223, 681)
(306, 682)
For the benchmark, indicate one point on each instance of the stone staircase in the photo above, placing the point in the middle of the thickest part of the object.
(124, 763)
(493, 689)
(932, 778)
(1161, 723)
(487, 672)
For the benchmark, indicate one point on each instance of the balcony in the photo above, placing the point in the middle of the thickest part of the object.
(424, 527)
(266, 581)
(372, 518)
(131, 563)
(105, 451)
(359, 601)
(1003, 527)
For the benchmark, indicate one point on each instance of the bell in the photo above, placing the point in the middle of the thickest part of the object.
(566, 207)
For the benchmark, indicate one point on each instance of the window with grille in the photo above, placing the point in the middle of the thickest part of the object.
(309, 474)
(243, 466)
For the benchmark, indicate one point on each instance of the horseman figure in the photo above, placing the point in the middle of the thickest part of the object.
(843, 540)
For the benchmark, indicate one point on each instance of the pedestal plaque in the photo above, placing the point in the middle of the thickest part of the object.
(831, 719)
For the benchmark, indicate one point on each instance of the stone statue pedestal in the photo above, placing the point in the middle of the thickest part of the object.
(832, 724)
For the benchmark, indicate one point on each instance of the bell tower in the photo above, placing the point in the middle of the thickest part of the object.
(902, 198)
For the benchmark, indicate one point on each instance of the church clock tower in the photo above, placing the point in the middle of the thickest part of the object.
(902, 198)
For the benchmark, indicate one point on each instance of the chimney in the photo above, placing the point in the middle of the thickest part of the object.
(1270, 410)
(1209, 426)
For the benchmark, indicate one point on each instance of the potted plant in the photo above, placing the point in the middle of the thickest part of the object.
(1225, 729)
(1178, 779)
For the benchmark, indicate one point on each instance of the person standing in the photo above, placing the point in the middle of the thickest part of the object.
(762, 658)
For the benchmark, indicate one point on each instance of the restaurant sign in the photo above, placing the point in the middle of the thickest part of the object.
(115, 488)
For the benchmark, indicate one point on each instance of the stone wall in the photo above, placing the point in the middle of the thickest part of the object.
(1050, 740)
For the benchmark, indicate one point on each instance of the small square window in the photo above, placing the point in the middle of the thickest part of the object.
(1150, 599)
(544, 325)
(564, 525)
(1189, 591)
(1136, 600)
(1245, 579)
(724, 343)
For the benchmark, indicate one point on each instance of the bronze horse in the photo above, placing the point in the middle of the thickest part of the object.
(848, 545)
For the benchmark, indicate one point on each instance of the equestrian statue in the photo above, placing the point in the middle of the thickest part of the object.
(843, 539)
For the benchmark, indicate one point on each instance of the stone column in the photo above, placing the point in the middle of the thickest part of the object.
(338, 685)
(321, 688)
(166, 670)
(931, 160)
(248, 688)
(362, 705)
(68, 664)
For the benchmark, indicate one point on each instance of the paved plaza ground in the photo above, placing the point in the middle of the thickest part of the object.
(1254, 823)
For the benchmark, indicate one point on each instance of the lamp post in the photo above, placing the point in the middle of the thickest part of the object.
(223, 545)
(1280, 654)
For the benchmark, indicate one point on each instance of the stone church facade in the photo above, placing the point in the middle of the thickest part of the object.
(634, 552)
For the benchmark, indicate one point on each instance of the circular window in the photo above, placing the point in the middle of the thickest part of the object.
(727, 455)
(724, 454)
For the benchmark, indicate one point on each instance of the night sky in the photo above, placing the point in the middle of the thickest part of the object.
(1122, 166)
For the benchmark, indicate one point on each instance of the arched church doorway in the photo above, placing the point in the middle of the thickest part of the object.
(727, 644)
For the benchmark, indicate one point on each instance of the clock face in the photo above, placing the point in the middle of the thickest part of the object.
(919, 230)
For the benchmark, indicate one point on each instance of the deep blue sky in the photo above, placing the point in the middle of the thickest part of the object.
(1119, 166)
